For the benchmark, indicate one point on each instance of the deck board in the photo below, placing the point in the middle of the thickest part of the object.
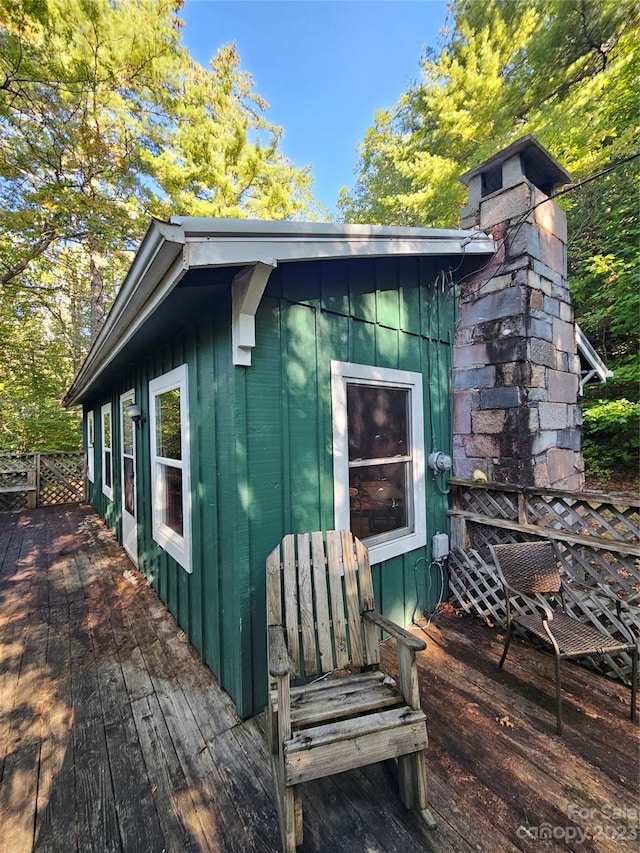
(115, 737)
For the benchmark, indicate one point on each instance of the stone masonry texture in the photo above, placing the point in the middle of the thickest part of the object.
(516, 373)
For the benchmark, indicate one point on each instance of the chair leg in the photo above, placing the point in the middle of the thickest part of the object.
(287, 815)
(413, 785)
(289, 809)
(507, 640)
(297, 807)
(634, 681)
(558, 697)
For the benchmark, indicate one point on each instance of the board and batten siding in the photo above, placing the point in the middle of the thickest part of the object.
(261, 441)
(386, 313)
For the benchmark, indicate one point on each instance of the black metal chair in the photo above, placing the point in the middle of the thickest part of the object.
(529, 569)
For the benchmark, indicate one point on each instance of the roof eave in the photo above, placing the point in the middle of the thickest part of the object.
(169, 250)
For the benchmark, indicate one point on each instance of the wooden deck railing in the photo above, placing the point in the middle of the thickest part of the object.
(28, 480)
(599, 542)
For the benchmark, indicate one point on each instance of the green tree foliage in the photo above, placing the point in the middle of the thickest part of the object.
(105, 120)
(223, 158)
(612, 438)
(565, 71)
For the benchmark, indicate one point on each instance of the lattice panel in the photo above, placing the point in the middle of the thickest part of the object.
(13, 500)
(51, 478)
(61, 478)
(17, 481)
(14, 463)
(593, 566)
(495, 504)
(588, 517)
(473, 589)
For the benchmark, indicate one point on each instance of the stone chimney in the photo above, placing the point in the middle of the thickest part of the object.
(516, 369)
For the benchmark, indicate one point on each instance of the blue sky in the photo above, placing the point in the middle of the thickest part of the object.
(324, 66)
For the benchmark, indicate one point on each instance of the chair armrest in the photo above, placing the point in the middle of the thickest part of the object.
(279, 664)
(406, 638)
(544, 610)
(622, 605)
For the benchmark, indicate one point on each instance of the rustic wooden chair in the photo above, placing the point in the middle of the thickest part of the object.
(322, 624)
(529, 574)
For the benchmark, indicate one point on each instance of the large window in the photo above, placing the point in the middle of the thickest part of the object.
(171, 498)
(91, 438)
(378, 446)
(107, 452)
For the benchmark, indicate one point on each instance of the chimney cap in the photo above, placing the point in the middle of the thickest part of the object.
(538, 165)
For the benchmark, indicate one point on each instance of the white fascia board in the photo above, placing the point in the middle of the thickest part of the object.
(221, 251)
(195, 227)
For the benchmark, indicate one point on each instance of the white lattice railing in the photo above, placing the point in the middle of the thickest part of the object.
(28, 480)
(599, 543)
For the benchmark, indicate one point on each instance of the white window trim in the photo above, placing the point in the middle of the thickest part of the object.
(107, 490)
(341, 373)
(179, 547)
(91, 439)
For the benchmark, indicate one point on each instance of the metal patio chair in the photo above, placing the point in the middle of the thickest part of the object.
(322, 625)
(529, 573)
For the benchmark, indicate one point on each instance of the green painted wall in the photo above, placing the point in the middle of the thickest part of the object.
(261, 439)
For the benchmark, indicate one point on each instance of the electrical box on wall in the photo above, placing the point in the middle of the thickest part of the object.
(440, 547)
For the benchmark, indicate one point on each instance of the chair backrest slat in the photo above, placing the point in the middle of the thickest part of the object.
(317, 593)
(353, 603)
(323, 619)
(291, 600)
(274, 591)
(337, 601)
(371, 636)
(308, 633)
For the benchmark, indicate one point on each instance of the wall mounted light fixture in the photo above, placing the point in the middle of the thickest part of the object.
(134, 412)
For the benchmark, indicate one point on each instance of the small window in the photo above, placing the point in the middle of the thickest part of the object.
(170, 483)
(91, 438)
(107, 457)
(128, 439)
(378, 447)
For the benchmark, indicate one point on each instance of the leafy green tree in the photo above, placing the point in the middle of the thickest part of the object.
(105, 120)
(565, 71)
(223, 157)
(562, 70)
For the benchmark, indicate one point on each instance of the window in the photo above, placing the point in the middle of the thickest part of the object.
(90, 444)
(170, 486)
(378, 453)
(128, 438)
(107, 459)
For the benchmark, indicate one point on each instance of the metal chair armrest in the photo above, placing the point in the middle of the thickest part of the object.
(544, 610)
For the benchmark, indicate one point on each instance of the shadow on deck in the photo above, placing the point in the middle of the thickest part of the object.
(114, 737)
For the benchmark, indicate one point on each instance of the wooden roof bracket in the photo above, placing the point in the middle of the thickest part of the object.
(247, 288)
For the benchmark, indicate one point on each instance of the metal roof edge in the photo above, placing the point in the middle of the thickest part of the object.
(203, 226)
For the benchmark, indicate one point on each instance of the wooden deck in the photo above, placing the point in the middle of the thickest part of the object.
(113, 737)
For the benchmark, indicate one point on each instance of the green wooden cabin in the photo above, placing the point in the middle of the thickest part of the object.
(258, 378)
